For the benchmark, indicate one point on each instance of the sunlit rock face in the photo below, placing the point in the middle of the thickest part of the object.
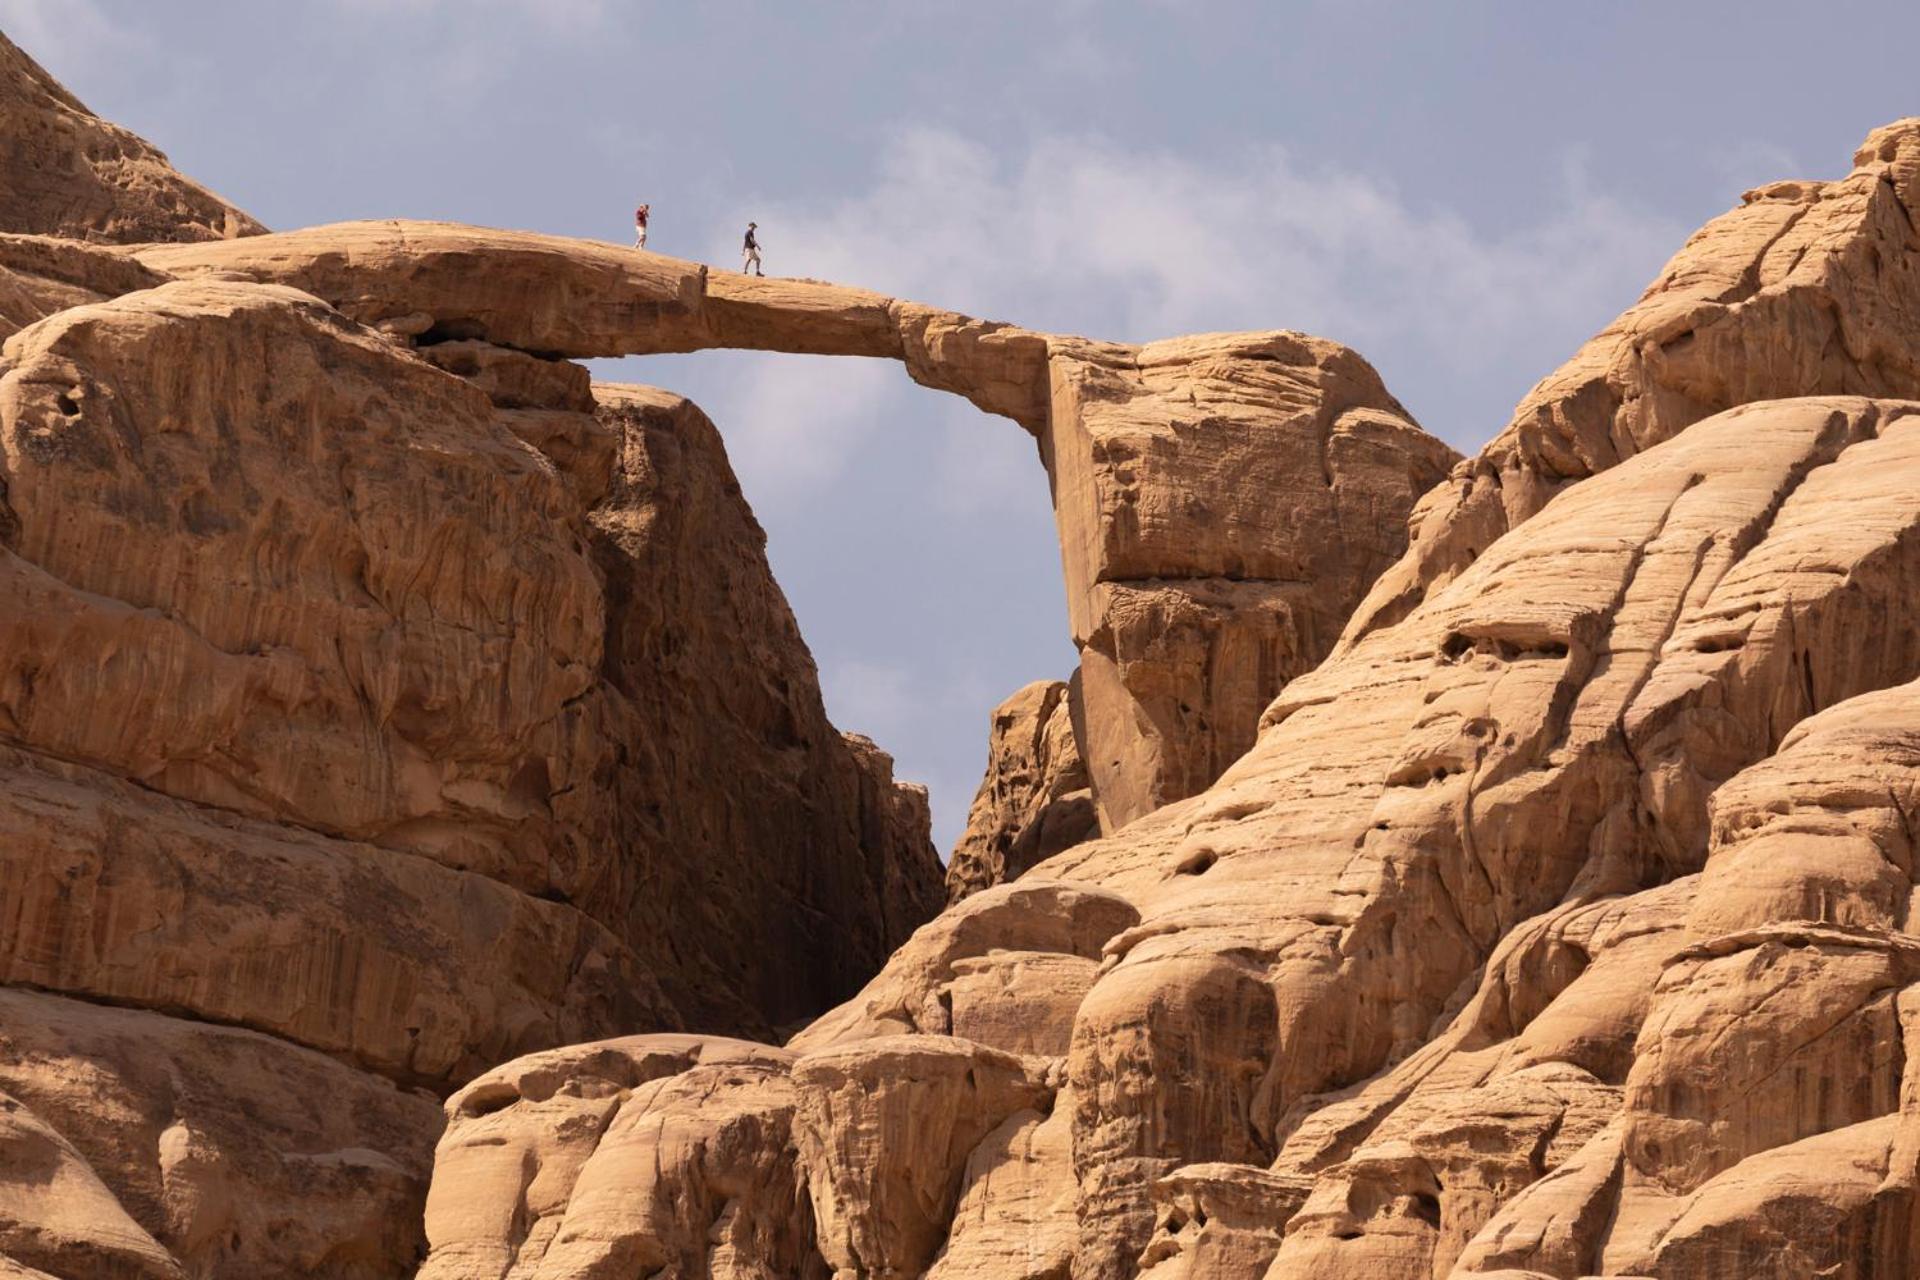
(372, 712)
(71, 174)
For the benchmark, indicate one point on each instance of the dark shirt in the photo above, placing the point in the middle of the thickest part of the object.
(751, 243)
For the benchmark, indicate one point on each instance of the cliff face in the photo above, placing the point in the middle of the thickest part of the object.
(1557, 925)
(345, 705)
(1808, 288)
(1035, 800)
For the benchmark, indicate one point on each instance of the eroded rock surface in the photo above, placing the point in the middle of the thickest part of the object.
(1555, 930)
(200, 1150)
(657, 1155)
(1807, 288)
(1035, 799)
(40, 275)
(380, 700)
(372, 713)
(66, 172)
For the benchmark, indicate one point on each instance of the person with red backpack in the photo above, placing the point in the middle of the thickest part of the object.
(640, 226)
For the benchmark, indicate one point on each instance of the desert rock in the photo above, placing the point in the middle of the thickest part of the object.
(1806, 288)
(1493, 886)
(40, 275)
(666, 1154)
(71, 174)
(885, 1128)
(385, 706)
(373, 712)
(224, 1152)
(1035, 799)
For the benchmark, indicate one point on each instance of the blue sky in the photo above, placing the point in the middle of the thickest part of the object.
(1462, 191)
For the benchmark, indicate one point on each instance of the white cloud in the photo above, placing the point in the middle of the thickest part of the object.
(793, 422)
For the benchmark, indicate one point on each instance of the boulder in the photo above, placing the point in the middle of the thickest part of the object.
(885, 1128)
(662, 1155)
(178, 1148)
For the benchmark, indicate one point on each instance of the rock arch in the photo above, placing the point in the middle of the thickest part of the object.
(1222, 501)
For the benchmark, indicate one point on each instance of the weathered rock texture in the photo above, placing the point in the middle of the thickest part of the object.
(1556, 926)
(40, 275)
(651, 1155)
(1223, 501)
(1807, 288)
(69, 173)
(1035, 800)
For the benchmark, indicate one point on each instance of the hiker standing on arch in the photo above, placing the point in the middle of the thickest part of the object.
(750, 252)
(640, 226)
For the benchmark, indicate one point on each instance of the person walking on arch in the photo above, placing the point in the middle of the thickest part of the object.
(750, 252)
(640, 225)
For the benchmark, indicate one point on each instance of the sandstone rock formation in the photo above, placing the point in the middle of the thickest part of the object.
(1223, 501)
(40, 275)
(347, 705)
(69, 173)
(1556, 926)
(647, 1155)
(1035, 800)
(1807, 288)
(384, 706)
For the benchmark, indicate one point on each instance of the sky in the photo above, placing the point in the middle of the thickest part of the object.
(1462, 191)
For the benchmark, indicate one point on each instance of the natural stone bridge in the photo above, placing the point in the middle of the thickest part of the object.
(1223, 501)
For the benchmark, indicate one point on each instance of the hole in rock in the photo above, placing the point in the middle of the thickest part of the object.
(912, 535)
(67, 405)
(1197, 863)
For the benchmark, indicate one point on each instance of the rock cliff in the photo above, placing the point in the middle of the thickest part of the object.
(69, 173)
(1035, 800)
(1557, 925)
